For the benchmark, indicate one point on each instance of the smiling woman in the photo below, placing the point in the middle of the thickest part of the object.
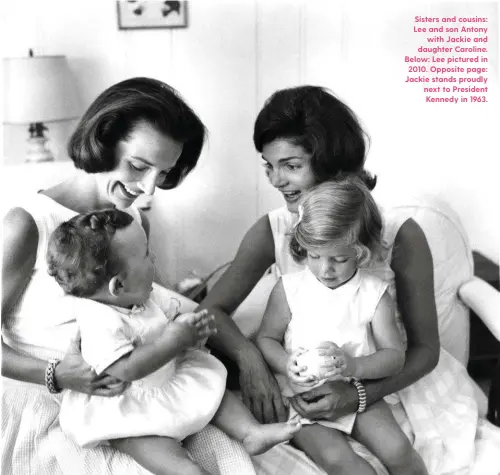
(137, 135)
(143, 162)
(288, 167)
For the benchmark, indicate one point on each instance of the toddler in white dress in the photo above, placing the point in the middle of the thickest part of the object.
(333, 320)
(101, 260)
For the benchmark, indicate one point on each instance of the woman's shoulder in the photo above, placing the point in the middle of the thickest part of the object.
(280, 212)
(43, 208)
(280, 220)
(20, 233)
(259, 238)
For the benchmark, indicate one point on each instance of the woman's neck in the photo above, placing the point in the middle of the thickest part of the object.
(79, 192)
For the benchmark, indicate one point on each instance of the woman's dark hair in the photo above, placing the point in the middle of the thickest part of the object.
(79, 254)
(312, 117)
(115, 113)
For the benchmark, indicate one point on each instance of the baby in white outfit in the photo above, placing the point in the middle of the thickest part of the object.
(101, 260)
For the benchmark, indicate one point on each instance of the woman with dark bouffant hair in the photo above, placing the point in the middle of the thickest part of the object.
(306, 136)
(138, 135)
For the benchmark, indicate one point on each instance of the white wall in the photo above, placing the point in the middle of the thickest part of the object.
(228, 61)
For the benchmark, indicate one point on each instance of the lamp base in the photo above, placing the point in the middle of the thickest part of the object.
(37, 150)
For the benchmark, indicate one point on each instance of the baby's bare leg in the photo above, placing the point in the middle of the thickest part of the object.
(235, 419)
(329, 449)
(378, 430)
(159, 455)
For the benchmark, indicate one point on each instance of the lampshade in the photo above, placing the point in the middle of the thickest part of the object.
(38, 89)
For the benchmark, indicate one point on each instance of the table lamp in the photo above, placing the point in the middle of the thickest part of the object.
(37, 90)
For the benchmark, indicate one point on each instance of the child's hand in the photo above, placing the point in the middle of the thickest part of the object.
(338, 362)
(194, 327)
(294, 371)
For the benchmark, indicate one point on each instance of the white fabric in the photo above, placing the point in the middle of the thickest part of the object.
(452, 261)
(443, 415)
(43, 335)
(177, 400)
(484, 300)
(342, 316)
(281, 222)
(32, 440)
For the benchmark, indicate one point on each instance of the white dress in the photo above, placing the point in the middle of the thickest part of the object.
(342, 316)
(177, 400)
(441, 406)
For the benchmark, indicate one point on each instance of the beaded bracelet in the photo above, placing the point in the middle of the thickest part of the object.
(50, 380)
(361, 395)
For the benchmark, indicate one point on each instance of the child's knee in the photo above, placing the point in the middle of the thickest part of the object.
(399, 453)
(340, 461)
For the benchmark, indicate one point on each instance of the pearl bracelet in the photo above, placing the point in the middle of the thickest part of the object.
(50, 380)
(361, 395)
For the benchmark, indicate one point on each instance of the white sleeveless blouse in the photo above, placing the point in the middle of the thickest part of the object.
(282, 220)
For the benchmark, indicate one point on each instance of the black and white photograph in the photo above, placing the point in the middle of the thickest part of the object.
(254, 237)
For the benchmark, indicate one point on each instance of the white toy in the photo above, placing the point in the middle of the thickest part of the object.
(314, 362)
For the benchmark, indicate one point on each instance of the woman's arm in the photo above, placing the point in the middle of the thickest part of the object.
(414, 276)
(19, 256)
(274, 323)
(178, 336)
(260, 389)
(255, 255)
(413, 269)
(20, 242)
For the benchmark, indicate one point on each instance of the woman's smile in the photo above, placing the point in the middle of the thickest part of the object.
(288, 167)
(122, 192)
(143, 160)
(291, 196)
(130, 191)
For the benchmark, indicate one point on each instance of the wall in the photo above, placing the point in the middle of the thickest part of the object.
(228, 61)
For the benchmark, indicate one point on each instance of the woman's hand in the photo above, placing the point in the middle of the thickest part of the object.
(195, 327)
(74, 373)
(329, 401)
(260, 390)
(338, 362)
(295, 372)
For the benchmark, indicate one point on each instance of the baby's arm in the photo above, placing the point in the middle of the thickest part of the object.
(183, 333)
(386, 361)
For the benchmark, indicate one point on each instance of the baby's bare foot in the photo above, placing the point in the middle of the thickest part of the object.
(262, 437)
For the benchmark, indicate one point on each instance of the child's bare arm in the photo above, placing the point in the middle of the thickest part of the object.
(179, 335)
(274, 323)
(386, 361)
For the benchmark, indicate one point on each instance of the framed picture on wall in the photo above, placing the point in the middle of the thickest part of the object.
(140, 14)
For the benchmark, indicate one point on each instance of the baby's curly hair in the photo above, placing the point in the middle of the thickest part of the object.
(341, 209)
(79, 254)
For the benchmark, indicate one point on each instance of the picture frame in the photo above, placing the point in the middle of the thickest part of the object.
(144, 14)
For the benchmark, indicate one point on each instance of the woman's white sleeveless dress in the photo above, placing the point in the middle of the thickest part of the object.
(440, 407)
